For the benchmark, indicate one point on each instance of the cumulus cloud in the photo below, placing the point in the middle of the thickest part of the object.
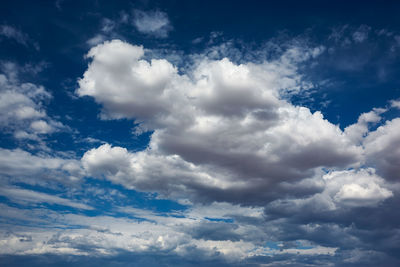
(219, 131)
(224, 135)
(22, 106)
(383, 151)
(155, 23)
(150, 79)
(362, 188)
(358, 131)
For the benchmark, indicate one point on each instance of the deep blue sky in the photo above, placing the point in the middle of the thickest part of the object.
(201, 132)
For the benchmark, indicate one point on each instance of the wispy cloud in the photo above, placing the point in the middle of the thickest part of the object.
(28, 196)
(155, 23)
(20, 37)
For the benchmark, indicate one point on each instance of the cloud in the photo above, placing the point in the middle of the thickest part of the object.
(188, 237)
(361, 34)
(382, 149)
(362, 188)
(347, 34)
(108, 30)
(155, 23)
(97, 39)
(11, 32)
(22, 105)
(395, 104)
(224, 135)
(20, 101)
(21, 166)
(359, 130)
(219, 131)
(22, 196)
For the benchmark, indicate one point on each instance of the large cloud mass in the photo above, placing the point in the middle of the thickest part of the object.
(222, 131)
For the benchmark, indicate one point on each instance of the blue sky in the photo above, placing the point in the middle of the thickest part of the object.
(199, 133)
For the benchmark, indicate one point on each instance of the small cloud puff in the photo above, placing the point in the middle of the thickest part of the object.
(155, 23)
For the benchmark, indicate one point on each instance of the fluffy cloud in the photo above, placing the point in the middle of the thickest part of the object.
(21, 107)
(122, 61)
(221, 130)
(19, 102)
(357, 132)
(223, 134)
(383, 150)
(350, 188)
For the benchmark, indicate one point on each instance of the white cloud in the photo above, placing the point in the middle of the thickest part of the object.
(41, 126)
(341, 191)
(154, 23)
(220, 130)
(23, 195)
(191, 236)
(383, 151)
(119, 59)
(395, 104)
(21, 106)
(357, 132)
(18, 165)
(106, 160)
(356, 188)
(20, 101)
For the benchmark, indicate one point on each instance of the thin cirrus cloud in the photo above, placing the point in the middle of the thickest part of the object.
(29, 196)
(10, 32)
(15, 34)
(153, 23)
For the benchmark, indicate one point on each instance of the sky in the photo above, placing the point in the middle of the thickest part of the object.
(199, 133)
